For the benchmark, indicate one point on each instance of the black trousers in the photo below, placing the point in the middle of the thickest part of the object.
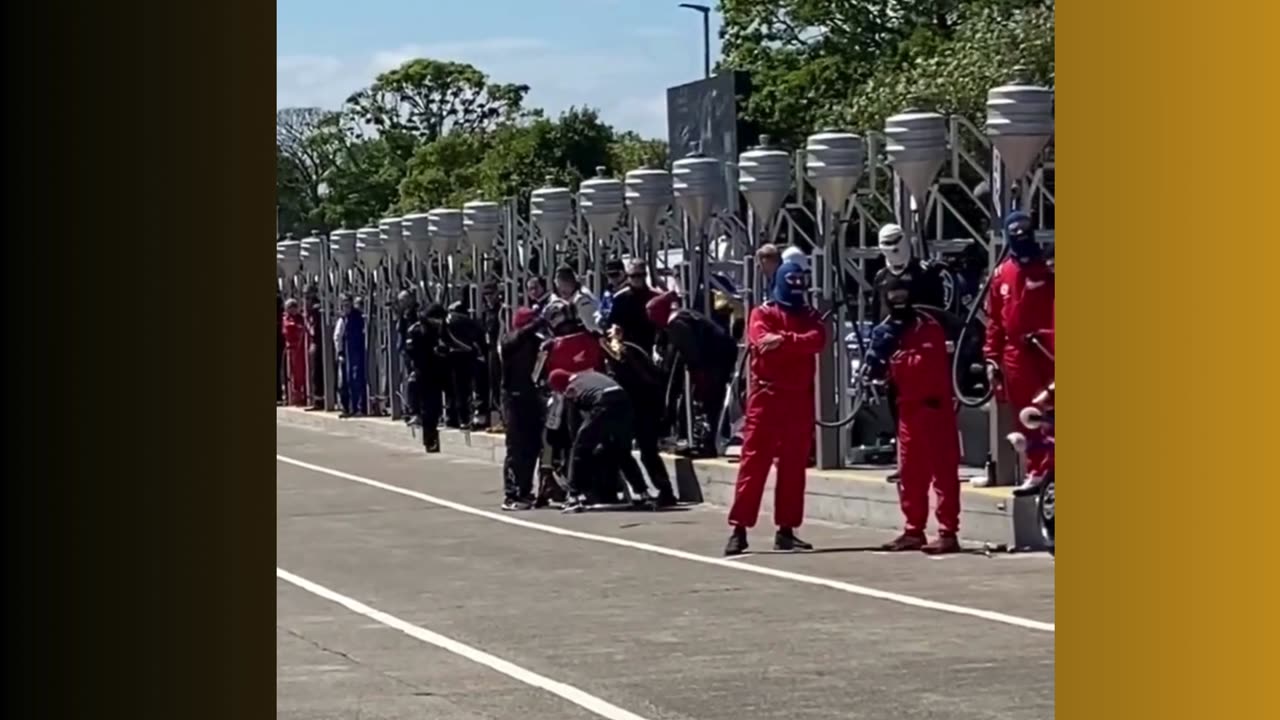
(458, 405)
(711, 394)
(523, 416)
(315, 361)
(648, 429)
(483, 389)
(601, 450)
(424, 396)
(493, 376)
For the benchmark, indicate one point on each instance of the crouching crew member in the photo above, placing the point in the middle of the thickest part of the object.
(600, 415)
(572, 349)
(635, 371)
(707, 350)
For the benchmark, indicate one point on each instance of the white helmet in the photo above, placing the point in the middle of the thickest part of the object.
(895, 247)
(795, 255)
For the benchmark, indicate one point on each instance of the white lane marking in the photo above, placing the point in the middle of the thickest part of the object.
(528, 677)
(691, 557)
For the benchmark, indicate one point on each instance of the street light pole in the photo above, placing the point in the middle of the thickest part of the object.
(706, 35)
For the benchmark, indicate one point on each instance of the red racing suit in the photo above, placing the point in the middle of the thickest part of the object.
(1019, 306)
(928, 439)
(780, 410)
(295, 348)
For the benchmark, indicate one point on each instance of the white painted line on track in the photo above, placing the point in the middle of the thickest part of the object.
(578, 697)
(850, 588)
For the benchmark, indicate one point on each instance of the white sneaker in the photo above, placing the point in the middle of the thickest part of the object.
(979, 481)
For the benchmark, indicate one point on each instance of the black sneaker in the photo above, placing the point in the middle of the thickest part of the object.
(786, 541)
(737, 542)
(645, 503)
(574, 505)
(515, 505)
(894, 477)
(666, 501)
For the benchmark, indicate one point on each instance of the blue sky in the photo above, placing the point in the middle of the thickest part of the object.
(616, 55)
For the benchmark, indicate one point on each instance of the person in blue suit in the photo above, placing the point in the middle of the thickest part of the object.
(349, 339)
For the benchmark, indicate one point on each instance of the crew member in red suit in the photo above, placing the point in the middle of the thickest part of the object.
(295, 348)
(911, 347)
(784, 338)
(1020, 309)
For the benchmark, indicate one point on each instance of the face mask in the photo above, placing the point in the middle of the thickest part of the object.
(790, 288)
(895, 248)
(1020, 237)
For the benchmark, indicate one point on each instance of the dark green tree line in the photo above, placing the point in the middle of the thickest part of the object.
(432, 133)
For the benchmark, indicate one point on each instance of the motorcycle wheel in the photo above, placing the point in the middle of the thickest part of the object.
(1045, 511)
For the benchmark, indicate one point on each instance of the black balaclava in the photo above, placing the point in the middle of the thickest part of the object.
(1021, 237)
(897, 293)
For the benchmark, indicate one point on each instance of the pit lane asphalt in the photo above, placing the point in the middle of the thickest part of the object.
(624, 629)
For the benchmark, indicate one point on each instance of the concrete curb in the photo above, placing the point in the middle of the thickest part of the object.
(989, 515)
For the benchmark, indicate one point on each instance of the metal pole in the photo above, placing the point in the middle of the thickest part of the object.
(706, 43)
(327, 358)
(1000, 416)
(706, 35)
(829, 451)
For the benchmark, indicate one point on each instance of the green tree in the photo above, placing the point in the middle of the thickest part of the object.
(365, 184)
(443, 173)
(989, 41)
(819, 62)
(431, 98)
(309, 143)
(629, 151)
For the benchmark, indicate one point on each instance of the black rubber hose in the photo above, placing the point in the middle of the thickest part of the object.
(978, 301)
(860, 397)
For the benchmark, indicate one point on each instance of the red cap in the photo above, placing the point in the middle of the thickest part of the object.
(524, 316)
(659, 309)
(559, 380)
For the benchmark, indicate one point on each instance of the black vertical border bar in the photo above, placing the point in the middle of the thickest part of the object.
(139, 523)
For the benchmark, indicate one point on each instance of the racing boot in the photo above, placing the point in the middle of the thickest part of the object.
(942, 545)
(905, 542)
(786, 541)
(737, 542)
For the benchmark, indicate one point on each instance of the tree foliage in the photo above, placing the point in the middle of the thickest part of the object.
(431, 134)
(852, 63)
(309, 143)
(431, 98)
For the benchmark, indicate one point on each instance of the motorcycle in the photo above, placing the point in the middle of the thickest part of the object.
(1040, 415)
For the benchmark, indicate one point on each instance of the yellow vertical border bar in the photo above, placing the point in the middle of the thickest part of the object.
(1166, 173)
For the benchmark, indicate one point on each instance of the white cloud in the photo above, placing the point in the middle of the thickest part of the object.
(626, 91)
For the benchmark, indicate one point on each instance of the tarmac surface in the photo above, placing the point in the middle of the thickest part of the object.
(403, 592)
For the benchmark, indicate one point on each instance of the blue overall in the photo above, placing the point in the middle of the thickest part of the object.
(355, 389)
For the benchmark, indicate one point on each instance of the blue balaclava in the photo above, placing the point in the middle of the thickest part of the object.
(1021, 237)
(790, 287)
